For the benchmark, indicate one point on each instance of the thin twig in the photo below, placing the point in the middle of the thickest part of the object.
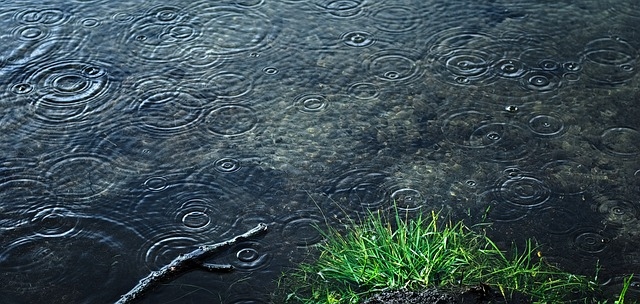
(185, 262)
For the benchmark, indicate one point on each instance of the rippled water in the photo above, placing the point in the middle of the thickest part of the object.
(133, 132)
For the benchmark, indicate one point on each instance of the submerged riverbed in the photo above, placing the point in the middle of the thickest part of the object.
(137, 131)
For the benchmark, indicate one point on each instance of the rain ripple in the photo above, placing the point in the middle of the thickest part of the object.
(617, 212)
(462, 57)
(524, 190)
(567, 177)
(511, 65)
(160, 34)
(620, 141)
(610, 61)
(248, 256)
(547, 126)
(342, 8)
(19, 197)
(626, 7)
(394, 66)
(229, 30)
(65, 97)
(82, 175)
(301, 228)
(478, 132)
(231, 120)
(167, 112)
(590, 242)
(358, 191)
(39, 264)
(556, 220)
(190, 207)
(396, 18)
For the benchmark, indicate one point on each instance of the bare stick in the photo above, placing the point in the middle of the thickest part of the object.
(185, 262)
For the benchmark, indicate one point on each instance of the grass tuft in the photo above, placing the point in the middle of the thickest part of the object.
(393, 252)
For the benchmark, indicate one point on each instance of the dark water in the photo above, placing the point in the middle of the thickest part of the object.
(133, 132)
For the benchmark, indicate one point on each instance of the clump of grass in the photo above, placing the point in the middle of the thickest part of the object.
(397, 252)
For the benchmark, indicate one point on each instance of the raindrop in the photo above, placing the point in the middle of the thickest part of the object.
(165, 13)
(55, 222)
(540, 81)
(31, 32)
(310, 103)
(572, 66)
(546, 126)
(196, 214)
(610, 51)
(199, 57)
(249, 256)
(90, 22)
(465, 66)
(458, 127)
(342, 8)
(501, 142)
(64, 84)
(618, 211)
(548, 65)
(590, 242)
(92, 71)
(122, 17)
(357, 39)
(188, 206)
(408, 199)
(156, 183)
(526, 191)
(227, 165)
(510, 68)
(393, 66)
(511, 108)
(270, 70)
(46, 16)
(152, 40)
(493, 136)
(22, 88)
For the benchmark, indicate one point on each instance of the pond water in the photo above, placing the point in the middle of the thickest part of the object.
(132, 132)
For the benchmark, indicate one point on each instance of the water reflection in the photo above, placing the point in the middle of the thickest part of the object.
(133, 133)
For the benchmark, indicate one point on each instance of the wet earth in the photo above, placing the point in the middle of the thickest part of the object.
(470, 295)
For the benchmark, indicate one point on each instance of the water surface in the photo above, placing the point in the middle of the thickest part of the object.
(134, 132)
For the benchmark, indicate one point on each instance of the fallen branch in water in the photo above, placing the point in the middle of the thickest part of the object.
(185, 262)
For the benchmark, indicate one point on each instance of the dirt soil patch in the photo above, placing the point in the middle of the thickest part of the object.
(473, 295)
